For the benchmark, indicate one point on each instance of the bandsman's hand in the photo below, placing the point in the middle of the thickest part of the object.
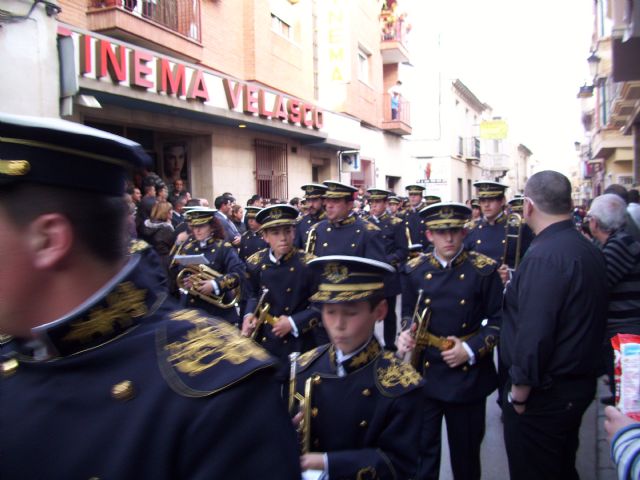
(405, 341)
(312, 461)
(236, 241)
(297, 419)
(282, 326)
(205, 287)
(503, 271)
(248, 325)
(456, 355)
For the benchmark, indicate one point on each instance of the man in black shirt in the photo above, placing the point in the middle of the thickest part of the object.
(553, 324)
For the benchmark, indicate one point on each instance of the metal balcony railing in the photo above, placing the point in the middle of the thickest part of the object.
(181, 16)
(401, 114)
(393, 29)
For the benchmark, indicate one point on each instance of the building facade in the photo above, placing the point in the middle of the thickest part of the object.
(251, 96)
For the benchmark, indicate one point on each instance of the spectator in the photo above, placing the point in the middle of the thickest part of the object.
(622, 255)
(177, 188)
(632, 222)
(223, 205)
(554, 315)
(236, 217)
(624, 435)
(395, 92)
(159, 231)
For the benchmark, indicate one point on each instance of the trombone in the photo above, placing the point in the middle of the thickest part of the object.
(515, 224)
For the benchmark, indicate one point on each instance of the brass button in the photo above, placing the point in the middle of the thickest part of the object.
(426, 364)
(353, 245)
(314, 412)
(288, 289)
(504, 241)
(213, 250)
(364, 423)
(479, 226)
(478, 241)
(328, 229)
(366, 392)
(358, 231)
(292, 269)
(197, 249)
(192, 300)
(464, 325)
(427, 301)
(465, 368)
(9, 367)
(462, 276)
(264, 267)
(123, 391)
(286, 309)
(316, 380)
(264, 339)
(428, 276)
(325, 244)
(462, 302)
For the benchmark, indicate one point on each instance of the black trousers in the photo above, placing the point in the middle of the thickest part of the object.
(390, 325)
(543, 441)
(465, 431)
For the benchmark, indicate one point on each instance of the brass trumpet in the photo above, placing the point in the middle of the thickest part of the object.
(310, 244)
(304, 428)
(202, 273)
(421, 333)
(514, 222)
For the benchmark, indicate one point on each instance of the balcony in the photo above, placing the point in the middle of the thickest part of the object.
(468, 148)
(393, 44)
(495, 162)
(169, 26)
(398, 122)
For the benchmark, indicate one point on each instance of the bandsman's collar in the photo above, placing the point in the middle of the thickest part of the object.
(358, 359)
(117, 308)
(346, 221)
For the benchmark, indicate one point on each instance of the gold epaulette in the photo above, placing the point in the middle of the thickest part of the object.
(396, 220)
(471, 224)
(415, 262)
(309, 357)
(394, 378)
(256, 257)
(136, 246)
(201, 356)
(370, 226)
(483, 264)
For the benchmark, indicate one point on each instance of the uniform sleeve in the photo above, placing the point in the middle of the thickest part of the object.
(216, 444)
(400, 250)
(234, 268)
(543, 288)
(374, 246)
(491, 301)
(409, 298)
(396, 455)
(252, 289)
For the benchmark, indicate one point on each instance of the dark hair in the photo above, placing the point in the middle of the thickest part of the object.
(550, 192)
(253, 200)
(374, 300)
(634, 196)
(222, 200)
(98, 220)
(217, 231)
(294, 201)
(618, 190)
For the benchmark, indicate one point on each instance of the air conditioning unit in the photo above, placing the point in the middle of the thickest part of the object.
(350, 161)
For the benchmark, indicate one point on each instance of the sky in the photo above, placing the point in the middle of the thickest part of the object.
(526, 59)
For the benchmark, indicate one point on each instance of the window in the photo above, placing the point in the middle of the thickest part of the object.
(281, 27)
(460, 190)
(271, 169)
(363, 66)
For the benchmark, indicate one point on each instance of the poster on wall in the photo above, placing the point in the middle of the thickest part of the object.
(433, 174)
(175, 165)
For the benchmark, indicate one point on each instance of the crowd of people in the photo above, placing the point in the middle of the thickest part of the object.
(239, 341)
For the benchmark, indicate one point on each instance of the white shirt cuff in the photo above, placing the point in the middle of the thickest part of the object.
(472, 356)
(294, 329)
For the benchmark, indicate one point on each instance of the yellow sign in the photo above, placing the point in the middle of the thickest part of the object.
(493, 129)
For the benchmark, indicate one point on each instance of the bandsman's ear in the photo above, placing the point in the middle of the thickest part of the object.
(50, 239)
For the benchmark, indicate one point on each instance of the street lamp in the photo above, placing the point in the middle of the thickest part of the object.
(593, 61)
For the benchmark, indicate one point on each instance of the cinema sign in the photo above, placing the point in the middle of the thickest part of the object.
(129, 67)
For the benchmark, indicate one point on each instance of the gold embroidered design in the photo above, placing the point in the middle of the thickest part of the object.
(254, 259)
(206, 345)
(14, 168)
(275, 214)
(307, 357)
(324, 296)
(370, 226)
(138, 246)
(124, 304)
(365, 356)
(335, 273)
(414, 262)
(397, 373)
(480, 261)
(446, 212)
(367, 473)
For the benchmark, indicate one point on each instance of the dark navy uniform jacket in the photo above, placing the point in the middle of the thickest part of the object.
(555, 309)
(460, 298)
(290, 284)
(417, 228)
(304, 226)
(394, 237)
(223, 258)
(128, 386)
(250, 243)
(488, 239)
(367, 421)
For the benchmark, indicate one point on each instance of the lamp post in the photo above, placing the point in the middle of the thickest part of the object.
(594, 62)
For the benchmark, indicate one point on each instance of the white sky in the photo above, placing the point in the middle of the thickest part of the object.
(526, 59)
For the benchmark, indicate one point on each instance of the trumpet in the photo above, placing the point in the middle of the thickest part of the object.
(310, 244)
(421, 333)
(514, 222)
(304, 401)
(262, 315)
(202, 273)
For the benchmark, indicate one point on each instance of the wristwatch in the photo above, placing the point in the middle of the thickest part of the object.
(513, 401)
